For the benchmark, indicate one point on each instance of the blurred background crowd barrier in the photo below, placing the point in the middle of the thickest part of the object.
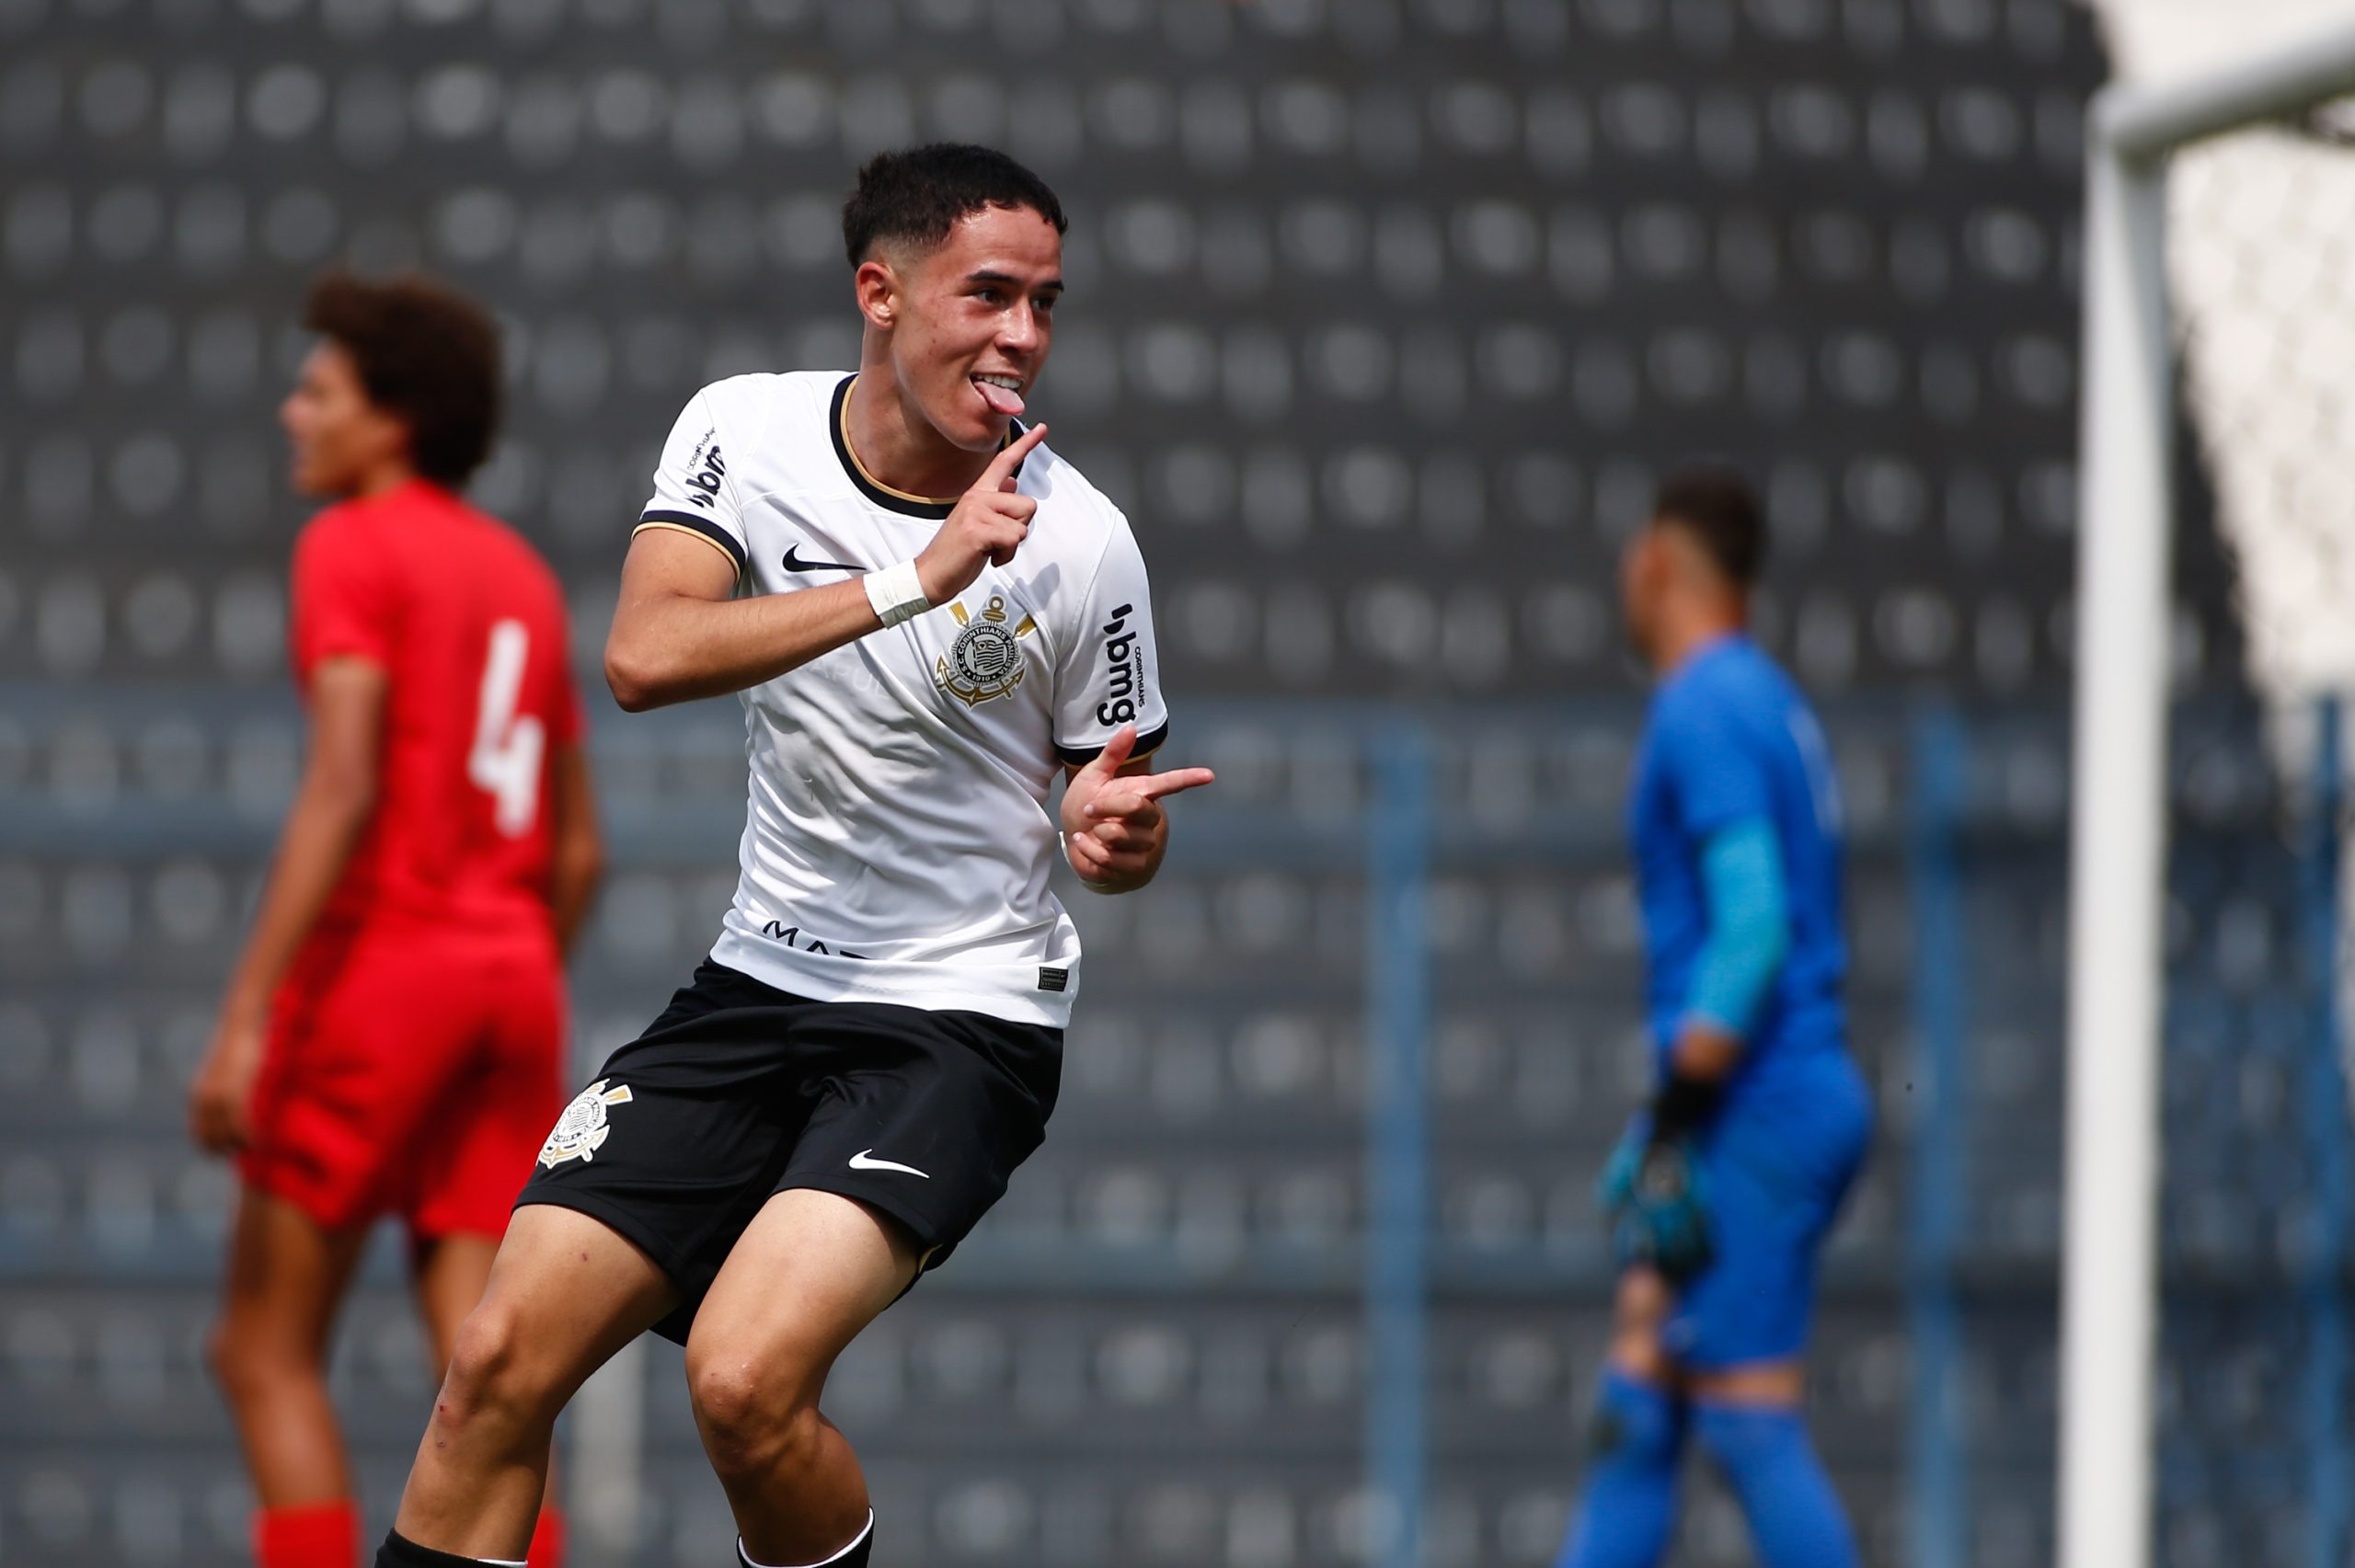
(1385, 316)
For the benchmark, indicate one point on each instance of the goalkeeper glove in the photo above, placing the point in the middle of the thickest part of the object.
(1653, 1194)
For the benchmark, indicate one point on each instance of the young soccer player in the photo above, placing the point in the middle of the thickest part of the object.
(391, 1041)
(1723, 1191)
(929, 615)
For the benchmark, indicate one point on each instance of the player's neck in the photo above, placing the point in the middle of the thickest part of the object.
(1685, 633)
(380, 479)
(898, 447)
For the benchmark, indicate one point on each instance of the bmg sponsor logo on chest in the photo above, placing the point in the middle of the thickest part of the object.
(986, 659)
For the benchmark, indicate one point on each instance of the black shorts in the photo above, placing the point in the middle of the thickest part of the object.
(740, 1092)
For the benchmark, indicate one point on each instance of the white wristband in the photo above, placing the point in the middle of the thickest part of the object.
(896, 593)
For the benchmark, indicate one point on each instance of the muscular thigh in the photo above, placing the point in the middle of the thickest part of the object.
(680, 1138)
(810, 1271)
(924, 1117)
(287, 1275)
(566, 1292)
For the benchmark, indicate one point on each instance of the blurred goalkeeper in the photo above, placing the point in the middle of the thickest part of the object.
(1725, 1186)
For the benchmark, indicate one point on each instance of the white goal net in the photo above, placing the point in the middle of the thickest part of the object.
(2261, 262)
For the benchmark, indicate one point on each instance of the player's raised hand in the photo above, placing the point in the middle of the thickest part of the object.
(989, 523)
(1114, 828)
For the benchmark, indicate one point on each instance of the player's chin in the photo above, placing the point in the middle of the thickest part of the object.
(971, 422)
(310, 478)
(984, 432)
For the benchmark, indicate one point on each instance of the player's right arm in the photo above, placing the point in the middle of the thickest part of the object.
(680, 632)
(332, 808)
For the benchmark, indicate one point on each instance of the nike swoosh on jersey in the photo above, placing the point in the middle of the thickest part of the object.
(860, 1162)
(794, 563)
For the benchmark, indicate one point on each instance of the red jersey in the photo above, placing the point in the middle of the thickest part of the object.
(468, 622)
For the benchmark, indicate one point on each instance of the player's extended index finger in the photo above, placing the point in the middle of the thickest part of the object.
(1003, 466)
(1176, 781)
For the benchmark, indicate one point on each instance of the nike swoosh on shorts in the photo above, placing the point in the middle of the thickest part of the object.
(860, 1162)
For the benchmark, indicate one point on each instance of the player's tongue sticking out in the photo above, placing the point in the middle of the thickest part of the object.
(1002, 400)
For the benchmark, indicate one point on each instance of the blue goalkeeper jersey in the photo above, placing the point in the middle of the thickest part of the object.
(1730, 739)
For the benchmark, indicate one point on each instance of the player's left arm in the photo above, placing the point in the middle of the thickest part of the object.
(1748, 910)
(1726, 797)
(1115, 832)
(1108, 691)
(331, 810)
(1652, 1191)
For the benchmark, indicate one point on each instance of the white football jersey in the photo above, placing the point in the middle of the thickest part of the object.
(896, 839)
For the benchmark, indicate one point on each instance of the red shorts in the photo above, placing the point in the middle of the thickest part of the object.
(414, 1074)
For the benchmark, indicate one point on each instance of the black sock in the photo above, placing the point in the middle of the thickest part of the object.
(400, 1552)
(854, 1555)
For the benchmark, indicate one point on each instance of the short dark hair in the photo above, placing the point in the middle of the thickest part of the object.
(427, 355)
(1719, 508)
(916, 197)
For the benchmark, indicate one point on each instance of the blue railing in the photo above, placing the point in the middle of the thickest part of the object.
(1937, 1459)
(2329, 1452)
(1397, 1152)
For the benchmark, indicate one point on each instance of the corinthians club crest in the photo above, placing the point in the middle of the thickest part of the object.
(581, 1130)
(986, 660)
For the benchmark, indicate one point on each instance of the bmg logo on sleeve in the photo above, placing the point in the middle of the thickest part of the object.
(707, 470)
(1123, 668)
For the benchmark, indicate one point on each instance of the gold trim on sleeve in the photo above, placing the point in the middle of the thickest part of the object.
(692, 533)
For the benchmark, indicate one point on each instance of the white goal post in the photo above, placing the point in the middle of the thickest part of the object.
(2118, 816)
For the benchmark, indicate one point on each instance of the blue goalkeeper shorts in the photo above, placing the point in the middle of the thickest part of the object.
(1780, 1158)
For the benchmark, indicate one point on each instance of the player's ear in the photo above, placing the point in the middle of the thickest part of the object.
(384, 435)
(878, 287)
(1672, 554)
(1652, 565)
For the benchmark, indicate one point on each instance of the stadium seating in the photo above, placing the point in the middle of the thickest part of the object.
(1385, 316)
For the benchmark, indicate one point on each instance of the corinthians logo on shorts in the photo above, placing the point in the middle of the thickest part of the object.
(986, 660)
(581, 1130)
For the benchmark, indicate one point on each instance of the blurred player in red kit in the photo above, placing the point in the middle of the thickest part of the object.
(391, 1041)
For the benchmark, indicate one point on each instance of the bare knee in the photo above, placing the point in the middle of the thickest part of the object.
(493, 1379)
(753, 1424)
(247, 1364)
(1759, 1385)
